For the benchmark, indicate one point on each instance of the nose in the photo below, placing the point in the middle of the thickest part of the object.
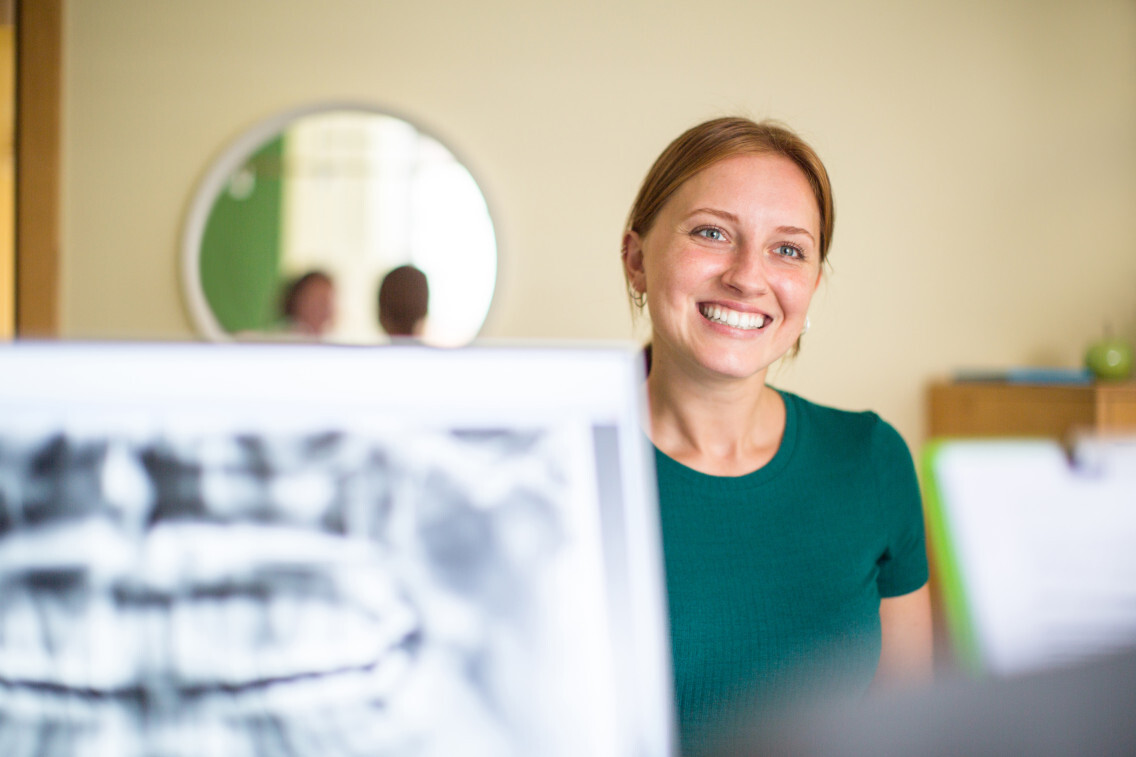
(745, 271)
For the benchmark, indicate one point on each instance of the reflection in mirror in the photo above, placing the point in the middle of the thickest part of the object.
(351, 193)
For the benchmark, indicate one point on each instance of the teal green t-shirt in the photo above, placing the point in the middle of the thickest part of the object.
(774, 578)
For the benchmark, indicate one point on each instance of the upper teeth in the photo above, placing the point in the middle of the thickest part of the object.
(733, 317)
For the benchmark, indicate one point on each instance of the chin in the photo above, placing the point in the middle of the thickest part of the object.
(732, 366)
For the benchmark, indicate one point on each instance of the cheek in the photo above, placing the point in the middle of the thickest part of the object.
(680, 268)
(659, 271)
(797, 289)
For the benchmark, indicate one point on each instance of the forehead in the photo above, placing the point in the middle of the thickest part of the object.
(766, 184)
(314, 287)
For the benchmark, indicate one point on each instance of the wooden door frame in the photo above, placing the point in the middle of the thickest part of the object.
(39, 53)
(7, 169)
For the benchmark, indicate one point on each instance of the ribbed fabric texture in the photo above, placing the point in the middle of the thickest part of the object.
(774, 578)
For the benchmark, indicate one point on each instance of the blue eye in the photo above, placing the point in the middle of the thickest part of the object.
(789, 251)
(710, 232)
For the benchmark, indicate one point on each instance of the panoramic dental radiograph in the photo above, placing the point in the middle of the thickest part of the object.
(192, 592)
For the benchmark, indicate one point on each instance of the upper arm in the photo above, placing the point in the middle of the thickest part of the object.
(905, 636)
(899, 509)
(906, 652)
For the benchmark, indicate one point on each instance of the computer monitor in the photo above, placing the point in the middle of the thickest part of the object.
(315, 550)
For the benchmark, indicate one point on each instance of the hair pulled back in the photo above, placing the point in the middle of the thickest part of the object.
(718, 139)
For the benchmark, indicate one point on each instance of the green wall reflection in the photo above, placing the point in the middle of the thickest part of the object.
(240, 249)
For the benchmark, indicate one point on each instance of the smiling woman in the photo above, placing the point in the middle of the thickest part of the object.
(349, 191)
(792, 532)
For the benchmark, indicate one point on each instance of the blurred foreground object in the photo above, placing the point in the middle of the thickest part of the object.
(1083, 709)
(1034, 549)
(206, 551)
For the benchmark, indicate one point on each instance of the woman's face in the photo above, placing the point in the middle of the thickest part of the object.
(315, 307)
(730, 265)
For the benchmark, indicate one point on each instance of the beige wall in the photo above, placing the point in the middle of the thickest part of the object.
(983, 155)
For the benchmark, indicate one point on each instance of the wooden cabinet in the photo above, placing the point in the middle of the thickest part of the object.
(993, 408)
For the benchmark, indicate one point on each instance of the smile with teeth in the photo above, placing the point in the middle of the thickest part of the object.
(733, 318)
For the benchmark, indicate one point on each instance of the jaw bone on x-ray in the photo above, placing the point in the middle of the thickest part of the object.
(177, 590)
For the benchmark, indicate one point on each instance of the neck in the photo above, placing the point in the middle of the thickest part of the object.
(725, 426)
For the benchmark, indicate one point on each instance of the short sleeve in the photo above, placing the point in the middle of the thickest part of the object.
(903, 566)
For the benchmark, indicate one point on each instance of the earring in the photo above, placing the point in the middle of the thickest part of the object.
(639, 299)
(805, 330)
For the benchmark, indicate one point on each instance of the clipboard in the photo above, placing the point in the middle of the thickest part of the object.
(1034, 546)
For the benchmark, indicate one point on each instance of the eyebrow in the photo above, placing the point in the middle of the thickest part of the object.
(715, 212)
(731, 217)
(795, 230)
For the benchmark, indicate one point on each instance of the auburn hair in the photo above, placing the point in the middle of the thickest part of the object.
(707, 143)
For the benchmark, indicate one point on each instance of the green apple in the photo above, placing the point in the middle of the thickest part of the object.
(1109, 359)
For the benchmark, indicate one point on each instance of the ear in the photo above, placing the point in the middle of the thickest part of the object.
(633, 261)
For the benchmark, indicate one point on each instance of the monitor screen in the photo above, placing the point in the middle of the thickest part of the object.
(313, 550)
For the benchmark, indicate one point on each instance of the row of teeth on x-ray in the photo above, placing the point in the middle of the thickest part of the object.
(308, 481)
(242, 581)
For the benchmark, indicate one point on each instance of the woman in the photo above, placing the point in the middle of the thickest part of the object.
(792, 532)
(308, 305)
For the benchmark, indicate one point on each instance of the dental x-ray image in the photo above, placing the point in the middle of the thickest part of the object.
(421, 590)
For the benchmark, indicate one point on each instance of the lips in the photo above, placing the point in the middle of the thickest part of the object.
(745, 321)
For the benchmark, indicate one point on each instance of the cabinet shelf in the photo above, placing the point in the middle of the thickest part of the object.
(999, 408)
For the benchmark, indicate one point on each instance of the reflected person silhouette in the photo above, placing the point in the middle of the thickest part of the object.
(404, 297)
(308, 305)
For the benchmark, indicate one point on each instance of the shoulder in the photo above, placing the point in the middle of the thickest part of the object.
(859, 444)
(849, 429)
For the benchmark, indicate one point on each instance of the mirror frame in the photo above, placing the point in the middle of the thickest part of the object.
(233, 156)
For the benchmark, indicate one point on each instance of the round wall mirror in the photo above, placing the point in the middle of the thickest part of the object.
(341, 196)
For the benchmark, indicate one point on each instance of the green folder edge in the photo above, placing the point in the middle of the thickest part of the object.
(952, 589)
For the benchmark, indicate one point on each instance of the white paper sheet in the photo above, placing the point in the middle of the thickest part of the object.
(1045, 548)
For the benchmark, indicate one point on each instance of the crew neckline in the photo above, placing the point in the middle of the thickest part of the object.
(762, 475)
